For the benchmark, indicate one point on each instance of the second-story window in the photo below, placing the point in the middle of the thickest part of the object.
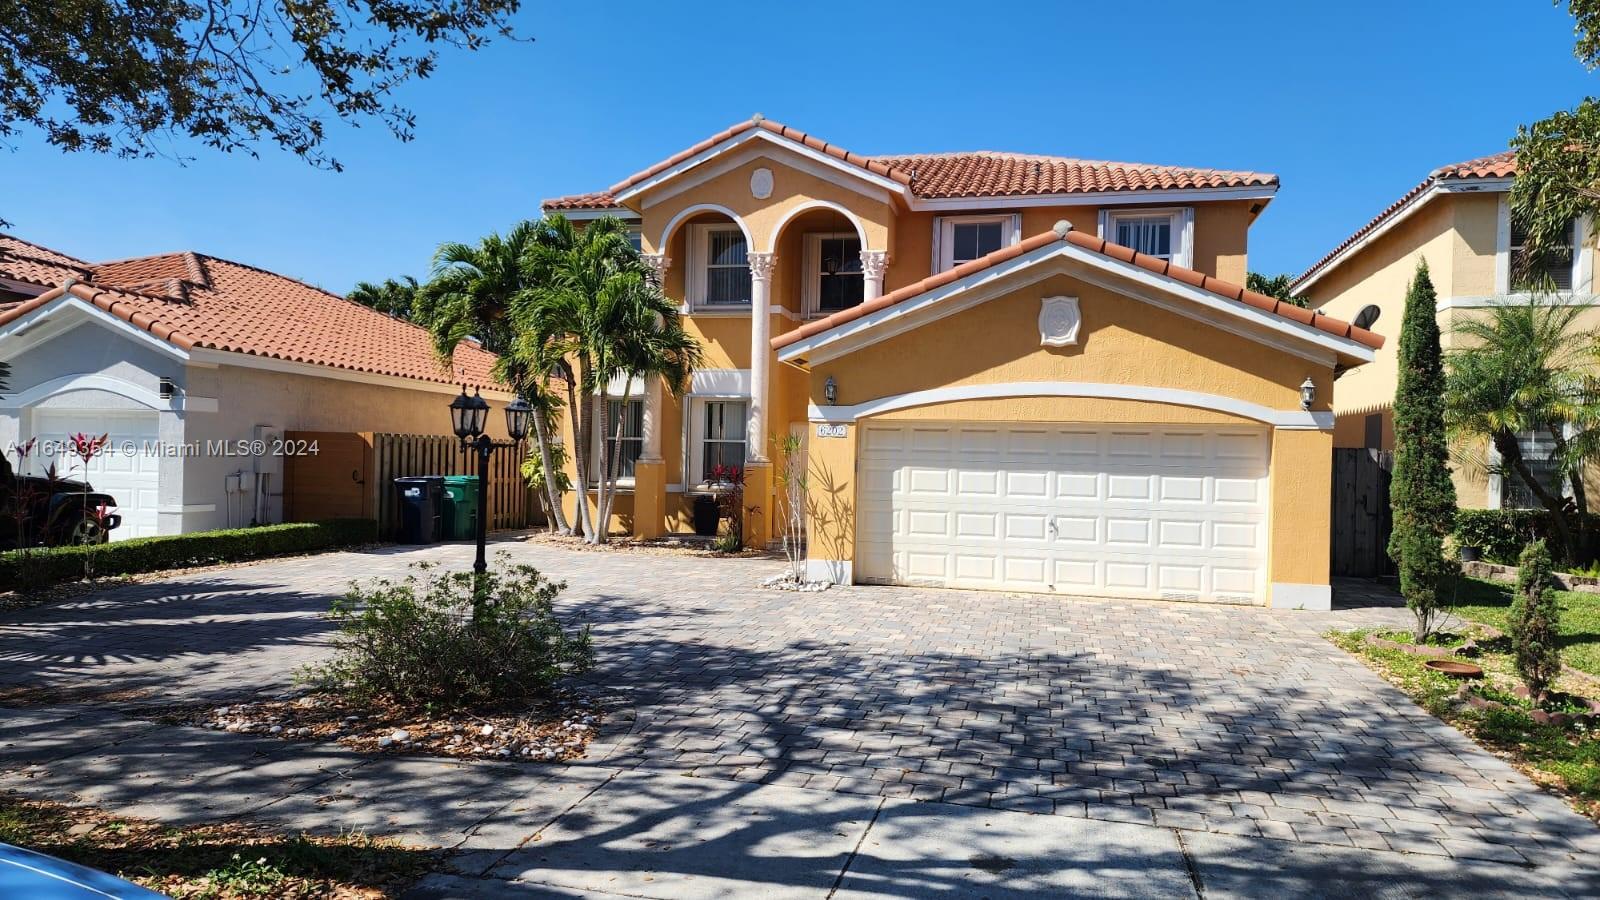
(720, 274)
(833, 272)
(1161, 233)
(1553, 272)
(962, 239)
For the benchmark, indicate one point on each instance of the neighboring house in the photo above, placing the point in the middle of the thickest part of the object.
(1458, 219)
(1012, 372)
(185, 359)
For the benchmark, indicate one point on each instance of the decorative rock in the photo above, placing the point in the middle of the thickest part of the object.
(400, 736)
(486, 730)
(276, 729)
(385, 741)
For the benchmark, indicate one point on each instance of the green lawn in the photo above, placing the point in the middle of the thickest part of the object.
(1489, 602)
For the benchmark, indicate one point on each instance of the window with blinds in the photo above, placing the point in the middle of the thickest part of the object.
(1552, 272)
(723, 441)
(1150, 235)
(1537, 449)
(727, 267)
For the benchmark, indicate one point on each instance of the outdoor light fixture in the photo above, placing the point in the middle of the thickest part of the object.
(830, 390)
(1308, 393)
(168, 389)
(517, 417)
(468, 415)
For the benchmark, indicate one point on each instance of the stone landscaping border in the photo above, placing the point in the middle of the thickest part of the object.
(1488, 571)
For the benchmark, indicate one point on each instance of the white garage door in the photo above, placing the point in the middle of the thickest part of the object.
(131, 478)
(1125, 511)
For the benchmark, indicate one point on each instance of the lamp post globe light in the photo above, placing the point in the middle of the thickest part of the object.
(468, 416)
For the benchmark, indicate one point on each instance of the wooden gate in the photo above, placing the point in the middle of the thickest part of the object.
(511, 503)
(352, 475)
(1361, 518)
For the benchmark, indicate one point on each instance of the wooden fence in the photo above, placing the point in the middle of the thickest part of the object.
(357, 477)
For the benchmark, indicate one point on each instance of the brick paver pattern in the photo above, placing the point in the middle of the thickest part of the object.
(1226, 719)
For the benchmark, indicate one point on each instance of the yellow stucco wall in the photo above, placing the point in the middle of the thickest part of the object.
(1123, 341)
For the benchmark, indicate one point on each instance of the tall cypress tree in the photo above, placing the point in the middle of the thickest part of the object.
(1421, 495)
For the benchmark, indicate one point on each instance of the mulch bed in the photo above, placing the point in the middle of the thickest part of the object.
(554, 730)
(666, 546)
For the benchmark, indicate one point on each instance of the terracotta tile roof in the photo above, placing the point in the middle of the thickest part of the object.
(1495, 165)
(981, 173)
(24, 261)
(800, 137)
(987, 173)
(1216, 286)
(194, 300)
(591, 200)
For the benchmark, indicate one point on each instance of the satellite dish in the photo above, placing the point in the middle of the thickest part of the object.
(1367, 316)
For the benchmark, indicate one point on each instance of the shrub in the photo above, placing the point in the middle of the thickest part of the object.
(40, 567)
(1534, 622)
(1422, 495)
(1502, 533)
(418, 642)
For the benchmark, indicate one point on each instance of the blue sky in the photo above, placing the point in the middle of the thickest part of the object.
(1351, 104)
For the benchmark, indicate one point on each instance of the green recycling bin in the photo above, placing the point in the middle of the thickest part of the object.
(460, 507)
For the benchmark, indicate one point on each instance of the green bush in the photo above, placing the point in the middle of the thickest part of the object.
(1535, 622)
(40, 567)
(1502, 533)
(444, 640)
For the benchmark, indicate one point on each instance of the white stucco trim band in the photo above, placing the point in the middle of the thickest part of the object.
(139, 394)
(1450, 186)
(834, 571)
(750, 135)
(1521, 298)
(1301, 596)
(1069, 259)
(1289, 420)
(36, 327)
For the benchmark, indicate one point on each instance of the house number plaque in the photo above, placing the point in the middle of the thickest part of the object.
(832, 431)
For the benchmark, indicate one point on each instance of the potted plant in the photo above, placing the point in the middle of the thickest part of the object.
(705, 515)
(727, 484)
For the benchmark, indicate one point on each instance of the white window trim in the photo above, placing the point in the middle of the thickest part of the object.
(1582, 255)
(596, 465)
(694, 443)
(944, 235)
(1497, 485)
(811, 283)
(1182, 228)
(695, 273)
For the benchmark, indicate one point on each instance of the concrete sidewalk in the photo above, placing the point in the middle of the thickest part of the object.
(595, 830)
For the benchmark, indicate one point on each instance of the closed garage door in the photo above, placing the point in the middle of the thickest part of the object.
(1166, 512)
(132, 478)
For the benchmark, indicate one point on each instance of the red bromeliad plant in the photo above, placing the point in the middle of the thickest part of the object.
(727, 483)
(86, 448)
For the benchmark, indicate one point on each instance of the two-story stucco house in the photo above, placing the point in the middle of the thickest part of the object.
(1012, 372)
(1458, 219)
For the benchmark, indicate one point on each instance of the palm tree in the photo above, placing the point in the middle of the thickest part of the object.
(470, 294)
(1525, 367)
(595, 308)
(396, 298)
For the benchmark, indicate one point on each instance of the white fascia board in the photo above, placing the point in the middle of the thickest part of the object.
(1096, 198)
(68, 311)
(585, 215)
(758, 133)
(816, 347)
(1447, 186)
(845, 177)
(1264, 325)
(312, 370)
(1286, 419)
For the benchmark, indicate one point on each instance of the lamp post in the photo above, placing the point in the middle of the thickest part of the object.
(468, 415)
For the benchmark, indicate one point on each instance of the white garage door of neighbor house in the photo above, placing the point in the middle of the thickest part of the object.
(1165, 512)
(133, 479)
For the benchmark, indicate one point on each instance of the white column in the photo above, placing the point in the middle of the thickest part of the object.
(651, 452)
(659, 263)
(760, 350)
(873, 264)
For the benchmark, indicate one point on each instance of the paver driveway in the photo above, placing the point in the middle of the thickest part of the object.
(1236, 721)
